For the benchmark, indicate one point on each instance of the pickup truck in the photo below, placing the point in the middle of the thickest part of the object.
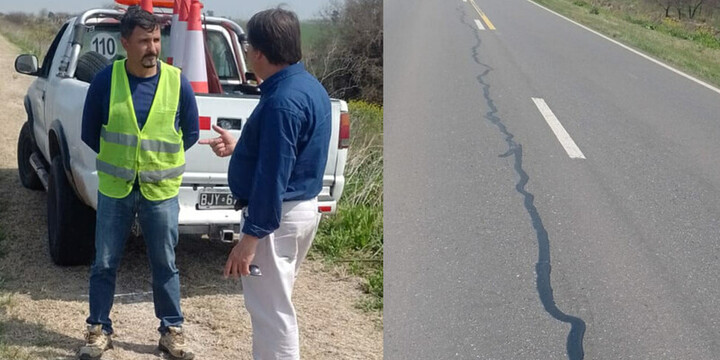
(52, 156)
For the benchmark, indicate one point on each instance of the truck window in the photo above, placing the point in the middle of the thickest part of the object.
(47, 61)
(222, 55)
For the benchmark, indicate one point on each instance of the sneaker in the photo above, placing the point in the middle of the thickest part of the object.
(96, 342)
(173, 343)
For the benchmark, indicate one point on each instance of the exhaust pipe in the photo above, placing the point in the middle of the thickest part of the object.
(227, 236)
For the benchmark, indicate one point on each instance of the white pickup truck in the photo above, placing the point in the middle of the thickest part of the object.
(52, 156)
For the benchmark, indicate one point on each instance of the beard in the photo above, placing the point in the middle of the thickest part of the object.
(149, 61)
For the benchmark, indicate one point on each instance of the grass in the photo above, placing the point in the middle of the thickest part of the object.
(14, 353)
(310, 31)
(6, 301)
(3, 250)
(703, 34)
(32, 34)
(353, 237)
(693, 47)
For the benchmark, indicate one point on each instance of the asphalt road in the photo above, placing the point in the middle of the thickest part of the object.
(499, 245)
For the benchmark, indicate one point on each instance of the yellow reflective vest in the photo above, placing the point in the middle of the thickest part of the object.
(154, 155)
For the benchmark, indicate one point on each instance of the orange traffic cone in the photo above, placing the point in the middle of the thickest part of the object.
(174, 33)
(147, 5)
(193, 65)
(178, 31)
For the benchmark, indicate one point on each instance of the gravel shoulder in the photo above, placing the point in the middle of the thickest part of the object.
(43, 307)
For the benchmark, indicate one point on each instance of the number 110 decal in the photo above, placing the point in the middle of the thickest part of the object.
(105, 45)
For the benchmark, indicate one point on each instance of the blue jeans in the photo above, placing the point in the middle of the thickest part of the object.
(159, 224)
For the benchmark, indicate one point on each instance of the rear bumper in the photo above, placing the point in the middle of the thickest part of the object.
(191, 220)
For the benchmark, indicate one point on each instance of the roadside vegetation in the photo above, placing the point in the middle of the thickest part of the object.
(353, 238)
(344, 50)
(683, 33)
(32, 33)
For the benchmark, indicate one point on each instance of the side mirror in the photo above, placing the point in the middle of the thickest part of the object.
(26, 64)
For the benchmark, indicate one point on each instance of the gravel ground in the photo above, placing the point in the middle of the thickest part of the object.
(43, 307)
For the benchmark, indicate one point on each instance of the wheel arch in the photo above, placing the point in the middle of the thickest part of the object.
(58, 147)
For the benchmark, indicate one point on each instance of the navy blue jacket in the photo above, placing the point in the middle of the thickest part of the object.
(283, 149)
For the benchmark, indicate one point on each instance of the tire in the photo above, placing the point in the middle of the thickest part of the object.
(26, 146)
(71, 224)
(89, 64)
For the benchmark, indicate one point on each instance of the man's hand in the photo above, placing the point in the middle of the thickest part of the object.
(222, 145)
(238, 262)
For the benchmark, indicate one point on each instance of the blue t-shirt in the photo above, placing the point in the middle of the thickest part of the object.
(283, 148)
(97, 106)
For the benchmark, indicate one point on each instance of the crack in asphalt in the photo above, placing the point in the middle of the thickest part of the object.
(574, 344)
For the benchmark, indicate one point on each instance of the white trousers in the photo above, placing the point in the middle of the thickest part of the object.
(268, 298)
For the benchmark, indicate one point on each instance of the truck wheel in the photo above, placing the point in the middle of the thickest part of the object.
(89, 64)
(28, 177)
(71, 224)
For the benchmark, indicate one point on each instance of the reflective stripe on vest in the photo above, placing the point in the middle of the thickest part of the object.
(159, 175)
(119, 138)
(159, 146)
(121, 172)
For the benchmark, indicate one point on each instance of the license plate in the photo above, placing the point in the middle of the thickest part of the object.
(215, 199)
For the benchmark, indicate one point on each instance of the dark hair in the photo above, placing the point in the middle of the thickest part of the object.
(134, 17)
(276, 33)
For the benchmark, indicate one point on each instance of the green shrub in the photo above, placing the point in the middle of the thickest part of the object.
(363, 172)
(348, 54)
(354, 235)
(356, 231)
(373, 285)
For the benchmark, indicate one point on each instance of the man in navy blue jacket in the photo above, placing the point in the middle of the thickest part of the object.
(276, 169)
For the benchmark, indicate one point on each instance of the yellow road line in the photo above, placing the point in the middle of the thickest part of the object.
(482, 15)
(487, 21)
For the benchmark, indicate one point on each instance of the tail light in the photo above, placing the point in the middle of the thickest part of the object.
(204, 122)
(344, 142)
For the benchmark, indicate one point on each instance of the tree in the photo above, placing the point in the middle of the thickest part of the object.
(690, 8)
(347, 58)
(680, 6)
(693, 7)
(666, 5)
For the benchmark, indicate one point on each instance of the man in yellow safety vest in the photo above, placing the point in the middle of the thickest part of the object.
(140, 116)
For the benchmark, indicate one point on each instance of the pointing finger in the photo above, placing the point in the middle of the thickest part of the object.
(219, 130)
(211, 141)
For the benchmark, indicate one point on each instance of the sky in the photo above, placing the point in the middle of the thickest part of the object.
(236, 9)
